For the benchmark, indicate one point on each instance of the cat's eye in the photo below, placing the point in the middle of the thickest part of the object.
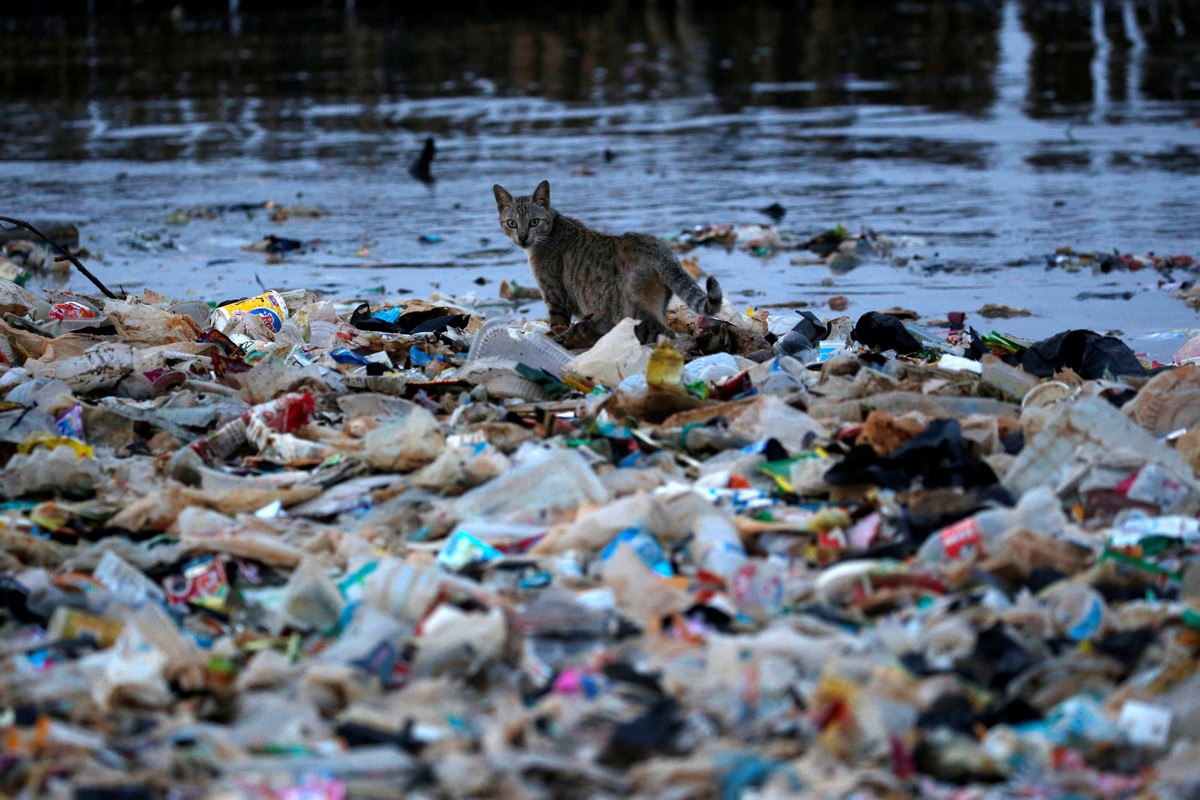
(533, 223)
(512, 223)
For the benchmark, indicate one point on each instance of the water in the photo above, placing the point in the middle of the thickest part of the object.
(984, 135)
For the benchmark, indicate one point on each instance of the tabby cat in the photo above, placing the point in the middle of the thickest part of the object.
(599, 278)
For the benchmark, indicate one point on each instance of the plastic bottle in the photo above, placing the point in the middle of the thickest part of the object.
(665, 369)
(404, 591)
(1078, 611)
(718, 547)
(759, 587)
(1038, 511)
(126, 582)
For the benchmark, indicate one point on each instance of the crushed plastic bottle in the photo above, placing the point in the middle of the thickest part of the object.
(717, 546)
(1039, 511)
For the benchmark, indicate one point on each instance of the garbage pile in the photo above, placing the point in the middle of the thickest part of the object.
(835, 247)
(293, 548)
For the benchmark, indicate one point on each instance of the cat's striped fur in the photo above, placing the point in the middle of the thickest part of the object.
(597, 277)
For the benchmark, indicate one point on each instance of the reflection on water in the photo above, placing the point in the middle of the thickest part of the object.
(205, 85)
(994, 132)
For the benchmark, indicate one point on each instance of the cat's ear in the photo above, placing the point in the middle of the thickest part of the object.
(541, 195)
(503, 198)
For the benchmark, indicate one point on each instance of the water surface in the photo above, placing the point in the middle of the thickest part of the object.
(982, 136)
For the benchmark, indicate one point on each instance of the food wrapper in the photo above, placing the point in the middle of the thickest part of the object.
(51, 442)
(203, 583)
(70, 422)
(462, 549)
(71, 623)
(647, 547)
(71, 310)
(270, 306)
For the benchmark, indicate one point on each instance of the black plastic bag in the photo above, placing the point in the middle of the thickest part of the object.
(937, 457)
(884, 332)
(1091, 355)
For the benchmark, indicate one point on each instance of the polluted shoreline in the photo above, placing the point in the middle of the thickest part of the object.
(286, 546)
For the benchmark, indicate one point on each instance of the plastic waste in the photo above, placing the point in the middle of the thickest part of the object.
(1079, 612)
(102, 367)
(64, 471)
(1038, 510)
(404, 591)
(126, 582)
(413, 440)
(1088, 430)
(1145, 724)
(497, 339)
(711, 369)
(1089, 354)
(269, 307)
(803, 341)
(718, 547)
(534, 491)
(1170, 401)
(645, 545)
(664, 369)
(617, 355)
(311, 600)
(71, 623)
(386, 551)
(454, 639)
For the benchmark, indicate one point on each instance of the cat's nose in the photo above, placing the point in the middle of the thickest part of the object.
(523, 238)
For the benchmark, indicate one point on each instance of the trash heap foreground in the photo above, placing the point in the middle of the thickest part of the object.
(290, 547)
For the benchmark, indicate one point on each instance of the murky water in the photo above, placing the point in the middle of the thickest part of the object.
(983, 136)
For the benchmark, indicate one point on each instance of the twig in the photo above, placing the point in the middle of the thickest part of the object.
(66, 254)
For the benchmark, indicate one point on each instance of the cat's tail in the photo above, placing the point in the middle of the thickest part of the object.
(702, 301)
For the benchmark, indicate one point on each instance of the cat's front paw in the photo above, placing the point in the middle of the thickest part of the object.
(583, 334)
(648, 331)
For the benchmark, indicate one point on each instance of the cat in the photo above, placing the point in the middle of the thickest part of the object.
(597, 277)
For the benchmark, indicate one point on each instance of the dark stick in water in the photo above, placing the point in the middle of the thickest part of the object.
(66, 255)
